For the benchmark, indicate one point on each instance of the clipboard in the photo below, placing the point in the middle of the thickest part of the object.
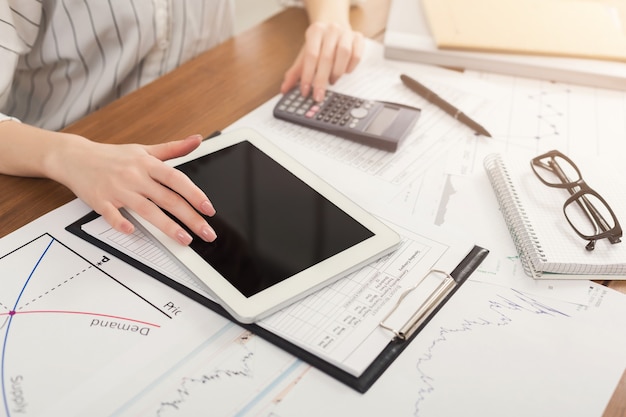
(402, 335)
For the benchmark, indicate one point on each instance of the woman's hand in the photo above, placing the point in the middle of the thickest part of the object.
(330, 51)
(108, 177)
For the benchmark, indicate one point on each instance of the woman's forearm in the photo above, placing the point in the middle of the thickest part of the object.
(30, 151)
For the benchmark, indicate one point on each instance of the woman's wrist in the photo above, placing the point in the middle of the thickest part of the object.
(62, 150)
(32, 152)
(329, 11)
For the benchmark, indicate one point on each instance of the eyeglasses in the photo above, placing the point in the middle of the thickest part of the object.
(587, 212)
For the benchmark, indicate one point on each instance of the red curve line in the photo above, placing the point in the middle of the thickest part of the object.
(81, 312)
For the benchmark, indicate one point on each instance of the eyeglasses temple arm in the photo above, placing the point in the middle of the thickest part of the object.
(591, 212)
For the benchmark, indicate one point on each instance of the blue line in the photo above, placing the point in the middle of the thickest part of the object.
(174, 367)
(6, 335)
(270, 387)
(194, 353)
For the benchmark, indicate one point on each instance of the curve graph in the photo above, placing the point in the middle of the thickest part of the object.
(56, 326)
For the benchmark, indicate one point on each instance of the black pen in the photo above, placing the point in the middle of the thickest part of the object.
(429, 95)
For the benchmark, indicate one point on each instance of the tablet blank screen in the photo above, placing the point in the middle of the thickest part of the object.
(270, 224)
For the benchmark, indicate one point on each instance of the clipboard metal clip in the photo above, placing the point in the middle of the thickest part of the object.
(428, 305)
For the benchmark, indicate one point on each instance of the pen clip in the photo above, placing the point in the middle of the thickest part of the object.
(428, 305)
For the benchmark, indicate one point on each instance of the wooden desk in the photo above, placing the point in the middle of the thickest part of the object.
(204, 95)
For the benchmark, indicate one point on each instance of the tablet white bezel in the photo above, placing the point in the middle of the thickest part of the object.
(249, 309)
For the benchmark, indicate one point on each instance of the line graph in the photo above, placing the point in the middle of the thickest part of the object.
(492, 350)
(232, 373)
(501, 312)
(551, 108)
(51, 296)
(188, 384)
(235, 375)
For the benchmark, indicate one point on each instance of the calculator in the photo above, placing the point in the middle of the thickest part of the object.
(375, 123)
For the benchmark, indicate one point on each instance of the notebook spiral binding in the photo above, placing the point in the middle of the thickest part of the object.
(520, 228)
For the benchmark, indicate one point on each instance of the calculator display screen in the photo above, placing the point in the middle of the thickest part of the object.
(382, 121)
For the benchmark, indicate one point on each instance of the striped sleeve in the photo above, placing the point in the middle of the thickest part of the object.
(19, 27)
(62, 59)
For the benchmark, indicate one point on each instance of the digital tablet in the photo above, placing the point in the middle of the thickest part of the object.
(282, 232)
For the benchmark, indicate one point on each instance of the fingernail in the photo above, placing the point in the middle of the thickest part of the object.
(183, 237)
(128, 228)
(208, 234)
(318, 95)
(305, 89)
(207, 208)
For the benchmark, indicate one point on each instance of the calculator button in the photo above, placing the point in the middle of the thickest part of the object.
(358, 113)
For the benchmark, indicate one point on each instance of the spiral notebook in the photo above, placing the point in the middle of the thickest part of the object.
(547, 245)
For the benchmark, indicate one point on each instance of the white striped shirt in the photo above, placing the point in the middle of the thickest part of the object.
(62, 59)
